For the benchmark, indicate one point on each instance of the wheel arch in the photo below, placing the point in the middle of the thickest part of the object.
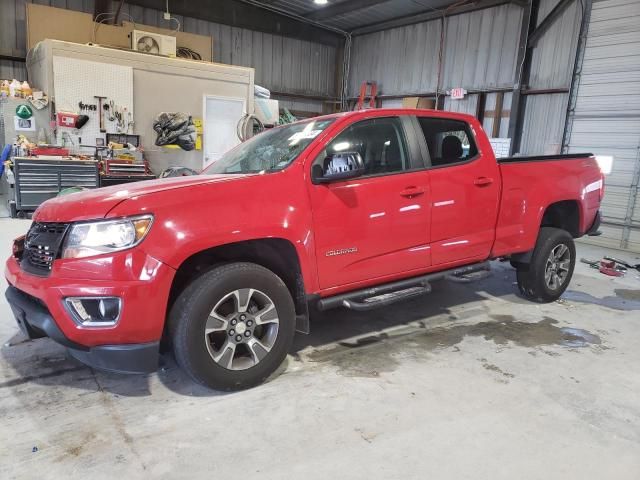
(563, 214)
(278, 255)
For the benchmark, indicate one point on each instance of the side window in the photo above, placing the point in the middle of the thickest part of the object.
(449, 141)
(379, 141)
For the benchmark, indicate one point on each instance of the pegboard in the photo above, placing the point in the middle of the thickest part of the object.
(78, 81)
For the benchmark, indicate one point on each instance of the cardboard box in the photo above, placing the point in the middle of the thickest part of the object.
(418, 102)
(60, 24)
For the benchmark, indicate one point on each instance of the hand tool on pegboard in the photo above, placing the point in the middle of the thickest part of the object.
(100, 112)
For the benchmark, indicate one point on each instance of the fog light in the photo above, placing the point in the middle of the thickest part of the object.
(94, 311)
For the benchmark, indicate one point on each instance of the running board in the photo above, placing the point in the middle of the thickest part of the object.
(383, 295)
(385, 299)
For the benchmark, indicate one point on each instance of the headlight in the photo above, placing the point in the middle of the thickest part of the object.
(105, 236)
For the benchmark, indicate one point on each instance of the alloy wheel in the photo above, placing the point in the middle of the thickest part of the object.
(557, 267)
(241, 329)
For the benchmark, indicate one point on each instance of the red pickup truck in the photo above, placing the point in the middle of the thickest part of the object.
(354, 210)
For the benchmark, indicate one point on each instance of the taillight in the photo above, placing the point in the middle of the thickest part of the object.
(601, 186)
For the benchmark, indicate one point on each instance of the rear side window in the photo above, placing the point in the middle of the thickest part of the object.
(449, 141)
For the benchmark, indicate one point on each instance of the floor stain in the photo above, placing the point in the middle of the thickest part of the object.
(383, 350)
(628, 294)
(77, 449)
(117, 421)
(494, 368)
(623, 299)
(576, 337)
(31, 378)
(367, 437)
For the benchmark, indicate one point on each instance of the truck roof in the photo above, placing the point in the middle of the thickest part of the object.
(376, 112)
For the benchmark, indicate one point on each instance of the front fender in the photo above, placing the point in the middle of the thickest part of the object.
(202, 217)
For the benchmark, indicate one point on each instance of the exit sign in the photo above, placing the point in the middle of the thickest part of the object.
(458, 93)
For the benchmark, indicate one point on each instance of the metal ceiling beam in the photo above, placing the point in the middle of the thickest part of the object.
(577, 73)
(523, 61)
(346, 6)
(237, 13)
(427, 16)
(549, 20)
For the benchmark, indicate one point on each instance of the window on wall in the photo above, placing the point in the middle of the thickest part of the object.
(379, 141)
(449, 141)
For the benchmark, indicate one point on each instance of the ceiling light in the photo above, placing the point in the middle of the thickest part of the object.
(320, 2)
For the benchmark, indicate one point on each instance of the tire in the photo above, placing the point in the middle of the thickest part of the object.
(228, 357)
(532, 280)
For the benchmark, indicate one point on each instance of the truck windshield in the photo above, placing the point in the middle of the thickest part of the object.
(270, 151)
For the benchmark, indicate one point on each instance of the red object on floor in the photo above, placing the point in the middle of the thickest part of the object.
(609, 268)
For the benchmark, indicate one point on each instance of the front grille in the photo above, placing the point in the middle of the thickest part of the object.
(42, 246)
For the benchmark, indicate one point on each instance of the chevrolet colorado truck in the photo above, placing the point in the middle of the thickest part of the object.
(354, 210)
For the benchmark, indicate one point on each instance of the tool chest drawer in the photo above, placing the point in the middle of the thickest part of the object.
(39, 180)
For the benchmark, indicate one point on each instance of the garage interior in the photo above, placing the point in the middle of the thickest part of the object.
(469, 381)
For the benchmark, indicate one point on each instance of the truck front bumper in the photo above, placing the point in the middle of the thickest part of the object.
(35, 321)
(129, 346)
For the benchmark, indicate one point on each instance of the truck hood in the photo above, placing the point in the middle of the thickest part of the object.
(97, 203)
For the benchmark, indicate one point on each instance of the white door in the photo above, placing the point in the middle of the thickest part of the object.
(221, 117)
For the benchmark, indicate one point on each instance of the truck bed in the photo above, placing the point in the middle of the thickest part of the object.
(544, 158)
(565, 186)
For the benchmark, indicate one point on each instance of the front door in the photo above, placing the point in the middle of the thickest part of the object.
(375, 225)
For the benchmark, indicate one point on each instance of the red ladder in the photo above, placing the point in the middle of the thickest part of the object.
(372, 89)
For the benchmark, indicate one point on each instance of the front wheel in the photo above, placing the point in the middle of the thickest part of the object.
(232, 327)
(548, 274)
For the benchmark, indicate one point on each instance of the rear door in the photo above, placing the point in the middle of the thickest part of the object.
(375, 225)
(465, 191)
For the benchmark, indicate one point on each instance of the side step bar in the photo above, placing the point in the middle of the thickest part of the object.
(363, 300)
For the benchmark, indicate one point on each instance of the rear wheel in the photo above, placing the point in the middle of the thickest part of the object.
(233, 326)
(548, 274)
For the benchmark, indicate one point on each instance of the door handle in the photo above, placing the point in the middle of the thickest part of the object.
(483, 181)
(411, 192)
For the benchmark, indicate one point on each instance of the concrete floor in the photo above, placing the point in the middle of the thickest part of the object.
(470, 382)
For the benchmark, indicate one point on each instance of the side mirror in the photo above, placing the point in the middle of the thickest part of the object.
(338, 166)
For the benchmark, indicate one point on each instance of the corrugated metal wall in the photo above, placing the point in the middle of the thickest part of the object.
(553, 57)
(552, 61)
(282, 64)
(13, 37)
(480, 53)
(299, 105)
(402, 60)
(11, 69)
(543, 125)
(481, 48)
(606, 120)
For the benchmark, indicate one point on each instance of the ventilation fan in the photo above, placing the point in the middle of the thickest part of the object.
(148, 44)
(155, 43)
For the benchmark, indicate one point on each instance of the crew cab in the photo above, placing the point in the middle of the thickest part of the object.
(354, 210)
